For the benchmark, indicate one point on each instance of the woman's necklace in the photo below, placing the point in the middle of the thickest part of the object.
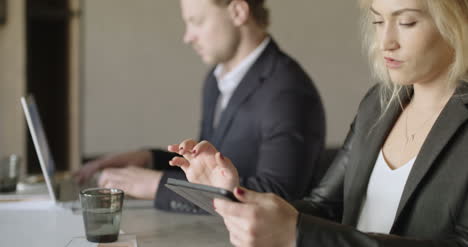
(410, 136)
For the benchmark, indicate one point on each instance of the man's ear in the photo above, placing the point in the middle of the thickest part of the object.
(239, 12)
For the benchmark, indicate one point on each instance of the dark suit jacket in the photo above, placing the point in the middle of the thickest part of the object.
(433, 210)
(273, 129)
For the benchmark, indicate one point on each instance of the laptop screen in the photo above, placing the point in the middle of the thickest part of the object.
(40, 142)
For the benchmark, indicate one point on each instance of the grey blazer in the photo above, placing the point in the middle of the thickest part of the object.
(433, 210)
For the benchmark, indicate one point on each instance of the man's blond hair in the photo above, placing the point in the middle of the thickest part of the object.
(258, 10)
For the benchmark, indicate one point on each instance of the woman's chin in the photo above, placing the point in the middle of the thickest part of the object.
(400, 80)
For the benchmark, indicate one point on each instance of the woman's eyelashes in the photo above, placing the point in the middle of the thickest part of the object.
(408, 24)
(403, 23)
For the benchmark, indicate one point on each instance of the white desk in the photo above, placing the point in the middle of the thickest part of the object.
(157, 228)
(55, 228)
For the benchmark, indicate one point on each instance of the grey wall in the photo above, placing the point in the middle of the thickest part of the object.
(141, 85)
(12, 80)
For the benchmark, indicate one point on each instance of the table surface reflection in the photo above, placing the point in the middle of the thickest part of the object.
(57, 226)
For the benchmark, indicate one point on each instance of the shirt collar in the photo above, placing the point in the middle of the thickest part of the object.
(232, 79)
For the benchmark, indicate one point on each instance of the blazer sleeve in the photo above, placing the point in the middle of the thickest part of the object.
(161, 159)
(167, 200)
(314, 231)
(326, 200)
(292, 137)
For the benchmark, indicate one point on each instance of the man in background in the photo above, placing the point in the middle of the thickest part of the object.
(259, 108)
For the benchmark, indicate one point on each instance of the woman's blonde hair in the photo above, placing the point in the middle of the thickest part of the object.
(450, 18)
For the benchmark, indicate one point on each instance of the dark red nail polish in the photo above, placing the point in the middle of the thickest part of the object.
(240, 191)
(221, 156)
(194, 151)
(181, 148)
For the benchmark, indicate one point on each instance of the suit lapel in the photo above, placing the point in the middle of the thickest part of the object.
(210, 100)
(450, 119)
(251, 81)
(368, 151)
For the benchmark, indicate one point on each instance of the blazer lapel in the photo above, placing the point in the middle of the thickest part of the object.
(251, 81)
(451, 118)
(210, 100)
(375, 135)
(368, 151)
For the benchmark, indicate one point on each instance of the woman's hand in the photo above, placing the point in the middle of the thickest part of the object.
(203, 164)
(261, 220)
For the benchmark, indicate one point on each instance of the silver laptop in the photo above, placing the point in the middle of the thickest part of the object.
(66, 192)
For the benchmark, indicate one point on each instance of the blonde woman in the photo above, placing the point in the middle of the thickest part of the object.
(401, 178)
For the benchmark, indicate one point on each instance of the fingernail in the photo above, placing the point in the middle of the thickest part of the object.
(194, 151)
(181, 148)
(240, 191)
(221, 156)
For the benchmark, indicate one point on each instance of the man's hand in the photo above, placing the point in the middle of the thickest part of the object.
(134, 181)
(203, 164)
(262, 220)
(140, 158)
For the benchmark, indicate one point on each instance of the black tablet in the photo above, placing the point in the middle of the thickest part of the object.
(199, 194)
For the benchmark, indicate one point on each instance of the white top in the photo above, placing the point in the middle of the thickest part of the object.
(228, 83)
(383, 196)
